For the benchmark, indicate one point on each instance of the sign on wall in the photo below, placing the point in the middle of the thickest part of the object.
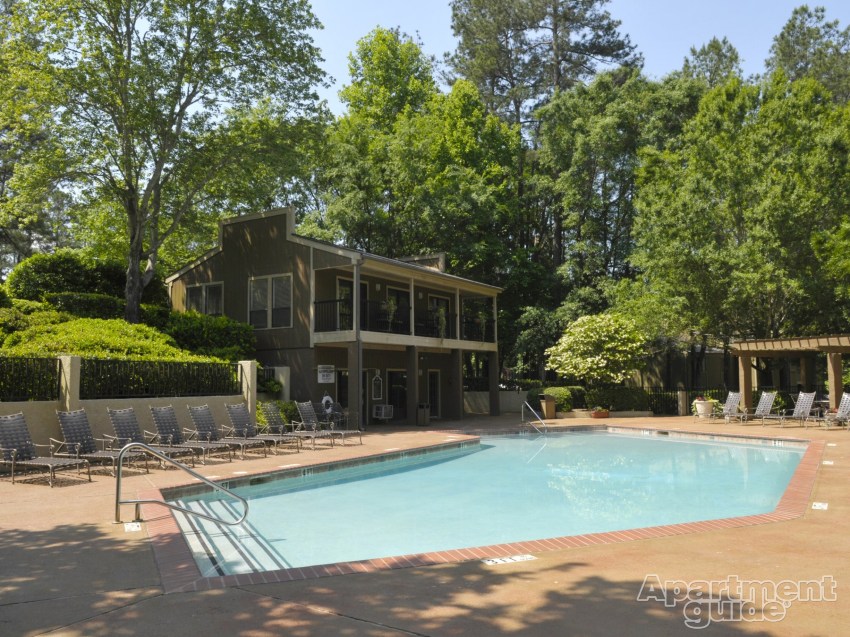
(326, 373)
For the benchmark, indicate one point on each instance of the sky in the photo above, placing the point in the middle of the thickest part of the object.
(663, 30)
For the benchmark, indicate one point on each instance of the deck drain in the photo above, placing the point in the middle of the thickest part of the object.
(820, 506)
(508, 560)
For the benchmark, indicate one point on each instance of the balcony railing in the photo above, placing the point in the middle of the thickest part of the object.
(337, 316)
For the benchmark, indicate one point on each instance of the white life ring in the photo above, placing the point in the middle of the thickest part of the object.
(327, 403)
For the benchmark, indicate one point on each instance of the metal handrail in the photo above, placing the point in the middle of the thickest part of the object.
(175, 507)
(536, 415)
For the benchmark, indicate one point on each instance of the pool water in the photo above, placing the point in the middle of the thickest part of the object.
(510, 489)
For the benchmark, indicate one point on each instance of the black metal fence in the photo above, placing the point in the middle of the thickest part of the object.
(665, 402)
(23, 379)
(152, 379)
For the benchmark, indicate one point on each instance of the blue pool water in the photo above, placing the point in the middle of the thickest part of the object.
(511, 489)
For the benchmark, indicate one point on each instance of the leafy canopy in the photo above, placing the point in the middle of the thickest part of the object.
(599, 349)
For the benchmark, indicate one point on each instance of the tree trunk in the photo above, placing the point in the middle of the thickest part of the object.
(133, 289)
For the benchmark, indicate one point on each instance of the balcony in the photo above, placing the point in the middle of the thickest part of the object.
(338, 316)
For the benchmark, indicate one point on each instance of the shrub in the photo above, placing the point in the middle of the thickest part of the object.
(97, 338)
(28, 307)
(618, 398)
(12, 319)
(217, 336)
(578, 396)
(87, 304)
(155, 316)
(287, 408)
(72, 271)
(562, 396)
(5, 301)
(601, 348)
(40, 274)
(532, 396)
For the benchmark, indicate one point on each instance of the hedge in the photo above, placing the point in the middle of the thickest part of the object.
(618, 398)
(562, 396)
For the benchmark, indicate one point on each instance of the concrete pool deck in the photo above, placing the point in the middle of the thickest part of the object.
(67, 569)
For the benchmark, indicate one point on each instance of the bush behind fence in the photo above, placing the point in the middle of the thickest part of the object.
(151, 379)
(37, 379)
(23, 379)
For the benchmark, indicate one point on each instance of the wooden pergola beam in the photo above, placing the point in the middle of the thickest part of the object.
(833, 346)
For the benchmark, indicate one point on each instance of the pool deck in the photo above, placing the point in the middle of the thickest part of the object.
(67, 569)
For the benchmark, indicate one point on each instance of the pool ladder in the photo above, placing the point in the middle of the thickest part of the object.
(163, 458)
(525, 406)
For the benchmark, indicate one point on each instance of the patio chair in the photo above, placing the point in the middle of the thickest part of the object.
(841, 416)
(764, 407)
(207, 430)
(127, 430)
(276, 424)
(80, 443)
(802, 411)
(169, 433)
(244, 428)
(310, 420)
(729, 409)
(18, 450)
(309, 426)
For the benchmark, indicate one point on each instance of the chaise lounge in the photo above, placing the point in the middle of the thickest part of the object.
(18, 450)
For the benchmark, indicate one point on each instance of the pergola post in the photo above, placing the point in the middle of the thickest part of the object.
(745, 381)
(833, 373)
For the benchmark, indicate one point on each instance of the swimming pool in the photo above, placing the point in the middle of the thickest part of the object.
(507, 489)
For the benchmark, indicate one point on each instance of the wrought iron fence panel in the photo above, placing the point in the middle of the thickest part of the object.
(23, 379)
(154, 379)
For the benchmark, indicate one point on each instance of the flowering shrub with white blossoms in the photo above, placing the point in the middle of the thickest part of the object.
(599, 349)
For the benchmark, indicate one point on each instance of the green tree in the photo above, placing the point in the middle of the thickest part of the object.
(713, 63)
(730, 217)
(811, 46)
(519, 54)
(155, 100)
(599, 349)
(590, 138)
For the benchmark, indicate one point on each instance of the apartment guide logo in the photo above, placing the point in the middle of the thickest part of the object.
(705, 602)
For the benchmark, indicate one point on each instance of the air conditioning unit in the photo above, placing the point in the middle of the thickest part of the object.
(382, 412)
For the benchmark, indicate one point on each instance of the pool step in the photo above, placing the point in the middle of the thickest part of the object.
(222, 550)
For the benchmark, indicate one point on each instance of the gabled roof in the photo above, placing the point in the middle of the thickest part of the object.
(356, 256)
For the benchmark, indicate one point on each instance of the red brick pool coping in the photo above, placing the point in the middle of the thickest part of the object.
(180, 573)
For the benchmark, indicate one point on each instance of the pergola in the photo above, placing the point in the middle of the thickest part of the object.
(833, 346)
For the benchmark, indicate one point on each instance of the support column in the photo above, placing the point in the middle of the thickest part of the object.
(493, 368)
(249, 387)
(454, 390)
(413, 385)
(69, 382)
(834, 384)
(355, 391)
(745, 382)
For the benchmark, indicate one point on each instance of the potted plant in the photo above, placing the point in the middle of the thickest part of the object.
(441, 322)
(600, 412)
(703, 407)
(391, 307)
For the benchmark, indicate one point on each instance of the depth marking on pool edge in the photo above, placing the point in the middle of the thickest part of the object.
(820, 506)
(508, 560)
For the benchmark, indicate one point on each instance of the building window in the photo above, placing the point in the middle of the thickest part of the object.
(206, 299)
(270, 301)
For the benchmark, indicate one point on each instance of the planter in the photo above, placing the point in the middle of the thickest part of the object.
(600, 413)
(703, 408)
